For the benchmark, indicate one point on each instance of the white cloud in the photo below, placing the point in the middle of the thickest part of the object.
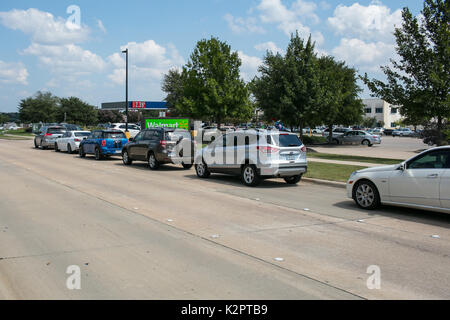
(374, 22)
(13, 73)
(291, 19)
(66, 59)
(249, 67)
(101, 26)
(241, 25)
(268, 46)
(370, 55)
(43, 27)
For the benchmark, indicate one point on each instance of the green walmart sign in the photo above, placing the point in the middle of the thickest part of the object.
(167, 123)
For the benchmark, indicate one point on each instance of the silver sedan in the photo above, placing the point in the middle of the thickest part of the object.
(358, 137)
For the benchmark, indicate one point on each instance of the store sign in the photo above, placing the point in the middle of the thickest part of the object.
(167, 123)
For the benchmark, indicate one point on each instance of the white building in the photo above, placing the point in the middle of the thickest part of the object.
(382, 111)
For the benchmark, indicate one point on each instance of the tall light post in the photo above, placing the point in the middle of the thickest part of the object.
(126, 95)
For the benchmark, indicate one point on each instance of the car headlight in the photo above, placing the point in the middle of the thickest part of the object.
(354, 174)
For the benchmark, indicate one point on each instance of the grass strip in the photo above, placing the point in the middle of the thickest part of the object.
(331, 171)
(340, 157)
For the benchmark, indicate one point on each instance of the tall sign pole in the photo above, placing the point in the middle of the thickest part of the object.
(126, 95)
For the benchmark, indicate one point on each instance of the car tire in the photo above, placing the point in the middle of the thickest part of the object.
(187, 166)
(293, 179)
(56, 148)
(98, 154)
(126, 158)
(35, 144)
(153, 164)
(81, 152)
(366, 195)
(42, 147)
(202, 170)
(336, 141)
(69, 149)
(250, 176)
(366, 143)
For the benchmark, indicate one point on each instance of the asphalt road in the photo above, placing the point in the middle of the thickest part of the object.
(138, 234)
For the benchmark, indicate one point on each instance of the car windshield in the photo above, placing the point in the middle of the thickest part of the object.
(287, 140)
(82, 134)
(176, 135)
(115, 135)
(56, 130)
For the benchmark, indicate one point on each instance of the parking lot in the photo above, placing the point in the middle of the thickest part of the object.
(166, 234)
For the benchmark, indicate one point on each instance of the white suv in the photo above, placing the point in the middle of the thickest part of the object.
(254, 155)
(132, 128)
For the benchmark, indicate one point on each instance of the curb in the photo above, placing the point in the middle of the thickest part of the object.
(335, 184)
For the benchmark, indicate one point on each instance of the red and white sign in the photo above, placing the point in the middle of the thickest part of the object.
(138, 105)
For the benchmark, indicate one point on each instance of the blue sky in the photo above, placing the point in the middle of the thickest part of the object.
(44, 47)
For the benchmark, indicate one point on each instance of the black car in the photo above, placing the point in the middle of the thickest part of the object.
(160, 146)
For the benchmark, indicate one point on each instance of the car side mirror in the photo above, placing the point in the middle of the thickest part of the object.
(402, 167)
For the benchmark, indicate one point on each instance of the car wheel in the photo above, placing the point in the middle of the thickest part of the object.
(152, 162)
(81, 152)
(35, 144)
(336, 141)
(293, 179)
(56, 148)
(42, 147)
(187, 166)
(249, 175)
(366, 195)
(126, 158)
(69, 149)
(98, 154)
(202, 170)
(366, 143)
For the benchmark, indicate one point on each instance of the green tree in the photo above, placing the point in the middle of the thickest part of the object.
(371, 122)
(287, 87)
(338, 94)
(212, 88)
(3, 118)
(42, 107)
(420, 81)
(109, 116)
(74, 110)
(173, 86)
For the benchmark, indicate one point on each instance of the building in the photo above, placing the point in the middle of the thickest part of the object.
(384, 112)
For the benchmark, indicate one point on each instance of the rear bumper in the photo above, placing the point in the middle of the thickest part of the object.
(111, 152)
(287, 171)
(49, 143)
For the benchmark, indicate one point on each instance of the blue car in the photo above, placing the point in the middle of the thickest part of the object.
(103, 143)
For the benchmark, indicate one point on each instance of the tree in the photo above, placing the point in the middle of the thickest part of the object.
(173, 86)
(134, 116)
(211, 84)
(419, 82)
(43, 107)
(338, 94)
(369, 122)
(3, 118)
(109, 116)
(74, 110)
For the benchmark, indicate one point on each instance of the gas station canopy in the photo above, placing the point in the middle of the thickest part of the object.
(135, 105)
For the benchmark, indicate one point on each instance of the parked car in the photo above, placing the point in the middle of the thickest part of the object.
(46, 138)
(70, 141)
(254, 155)
(388, 132)
(103, 143)
(132, 128)
(403, 132)
(376, 131)
(421, 182)
(161, 146)
(336, 132)
(358, 137)
(71, 127)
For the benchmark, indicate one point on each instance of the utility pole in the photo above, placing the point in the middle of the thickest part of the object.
(126, 95)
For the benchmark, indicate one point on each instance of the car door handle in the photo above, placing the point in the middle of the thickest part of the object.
(433, 176)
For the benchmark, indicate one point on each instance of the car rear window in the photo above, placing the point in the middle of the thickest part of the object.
(287, 140)
(56, 130)
(82, 134)
(114, 135)
(175, 135)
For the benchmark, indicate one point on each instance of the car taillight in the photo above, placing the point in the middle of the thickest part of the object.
(77, 140)
(268, 150)
(103, 143)
(303, 149)
(48, 135)
(375, 137)
(163, 143)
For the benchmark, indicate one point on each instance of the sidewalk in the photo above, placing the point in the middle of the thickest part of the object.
(352, 163)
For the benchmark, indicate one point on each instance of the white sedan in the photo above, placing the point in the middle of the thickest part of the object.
(132, 128)
(70, 141)
(422, 182)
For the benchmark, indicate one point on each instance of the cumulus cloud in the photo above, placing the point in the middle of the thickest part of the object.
(66, 59)
(241, 25)
(249, 67)
(13, 73)
(374, 22)
(43, 27)
(268, 46)
(101, 26)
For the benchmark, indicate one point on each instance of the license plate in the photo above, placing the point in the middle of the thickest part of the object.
(290, 157)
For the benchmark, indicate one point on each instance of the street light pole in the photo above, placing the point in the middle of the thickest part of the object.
(126, 95)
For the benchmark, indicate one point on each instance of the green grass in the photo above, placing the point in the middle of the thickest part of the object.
(3, 137)
(340, 157)
(20, 132)
(307, 140)
(330, 171)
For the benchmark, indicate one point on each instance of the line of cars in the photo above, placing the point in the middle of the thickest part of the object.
(253, 154)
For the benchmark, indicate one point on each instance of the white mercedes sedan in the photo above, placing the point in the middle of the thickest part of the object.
(70, 141)
(422, 182)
